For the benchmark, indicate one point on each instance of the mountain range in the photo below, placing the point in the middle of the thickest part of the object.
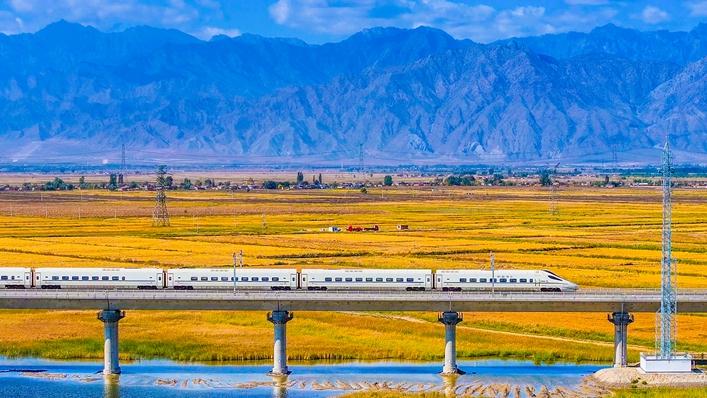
(384, 96)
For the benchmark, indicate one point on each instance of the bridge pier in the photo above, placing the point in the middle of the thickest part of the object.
(450, 319)
(279, 320)
(621, 320)
(110, 318)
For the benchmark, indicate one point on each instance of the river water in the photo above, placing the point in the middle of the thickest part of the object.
(161, 379)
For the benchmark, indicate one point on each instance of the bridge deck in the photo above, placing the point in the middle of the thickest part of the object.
(581, 301)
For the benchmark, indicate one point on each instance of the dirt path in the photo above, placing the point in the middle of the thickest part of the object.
(502, 332)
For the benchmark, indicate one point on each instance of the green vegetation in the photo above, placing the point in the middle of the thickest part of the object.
(661, 392)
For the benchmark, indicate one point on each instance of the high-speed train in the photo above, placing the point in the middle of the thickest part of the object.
(283, 279)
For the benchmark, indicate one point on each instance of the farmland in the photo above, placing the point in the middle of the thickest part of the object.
(598, 238)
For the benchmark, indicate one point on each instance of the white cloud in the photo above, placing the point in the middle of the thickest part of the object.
(280, 11)
(479, 22)
(104, 14)
(653, 15)
(698, 8)
(210, 31)
(586, 2)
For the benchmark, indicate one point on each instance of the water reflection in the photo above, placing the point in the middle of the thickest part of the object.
(449, 385)
(111, 386)
(279, 386)
(27, 378)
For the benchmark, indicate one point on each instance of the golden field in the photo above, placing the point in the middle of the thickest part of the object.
(600, 238)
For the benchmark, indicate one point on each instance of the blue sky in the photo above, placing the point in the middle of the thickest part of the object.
(318, 21)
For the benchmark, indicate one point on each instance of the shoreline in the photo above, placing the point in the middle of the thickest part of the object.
(633, 376)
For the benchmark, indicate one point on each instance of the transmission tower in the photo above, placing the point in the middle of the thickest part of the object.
(668, 301)
(121, 176)
(360, 158)
(160, 217)
(122, 159)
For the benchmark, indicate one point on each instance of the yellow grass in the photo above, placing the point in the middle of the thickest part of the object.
(601, 238)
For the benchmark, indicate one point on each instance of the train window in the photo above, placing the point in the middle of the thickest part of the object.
(463, 280)
(254, 279)
(554, 278)
(388, 279)
(349, 279)
(276, 279)
(503, 280)
(472, 280)
(359, 279)
(530, 280)
(12, 277)
(379, 279)
(482, 280)
(214, 278)
(411, 280)
(224, 279)
(338, 279)
(115, 278)
(244, 279)
(84, 278)
(3, 278)
(55, 278)
(95, 278)
(123, 278)
(74, 278)
(194, 278)
(265, 279)
(105, 278)
(399, 279)
(204, 278)
(327, 279)
(523, 280)
(369, 279)
(514, 280)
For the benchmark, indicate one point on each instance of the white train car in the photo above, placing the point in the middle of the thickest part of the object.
(503, 280)
(99, 278)
(15, 278)
(222, 278)
(366, 279)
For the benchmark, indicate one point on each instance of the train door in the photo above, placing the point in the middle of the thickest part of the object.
(37, 279)
(27, 283)
(293, 281)
(160, 280)
(428, 284)
(303, 281)
(170, 279)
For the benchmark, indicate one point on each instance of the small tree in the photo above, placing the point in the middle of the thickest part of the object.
(186, 184)
(300, 177)
(388, 180)
(320, 179)
(82, 182)
(545, 179)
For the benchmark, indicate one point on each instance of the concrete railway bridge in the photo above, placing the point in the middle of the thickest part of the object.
(280, 306)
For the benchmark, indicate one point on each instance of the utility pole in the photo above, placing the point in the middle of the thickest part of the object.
(160, 217)
(553, 192)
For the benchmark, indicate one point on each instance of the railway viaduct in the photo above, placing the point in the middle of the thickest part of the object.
(619, 304)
